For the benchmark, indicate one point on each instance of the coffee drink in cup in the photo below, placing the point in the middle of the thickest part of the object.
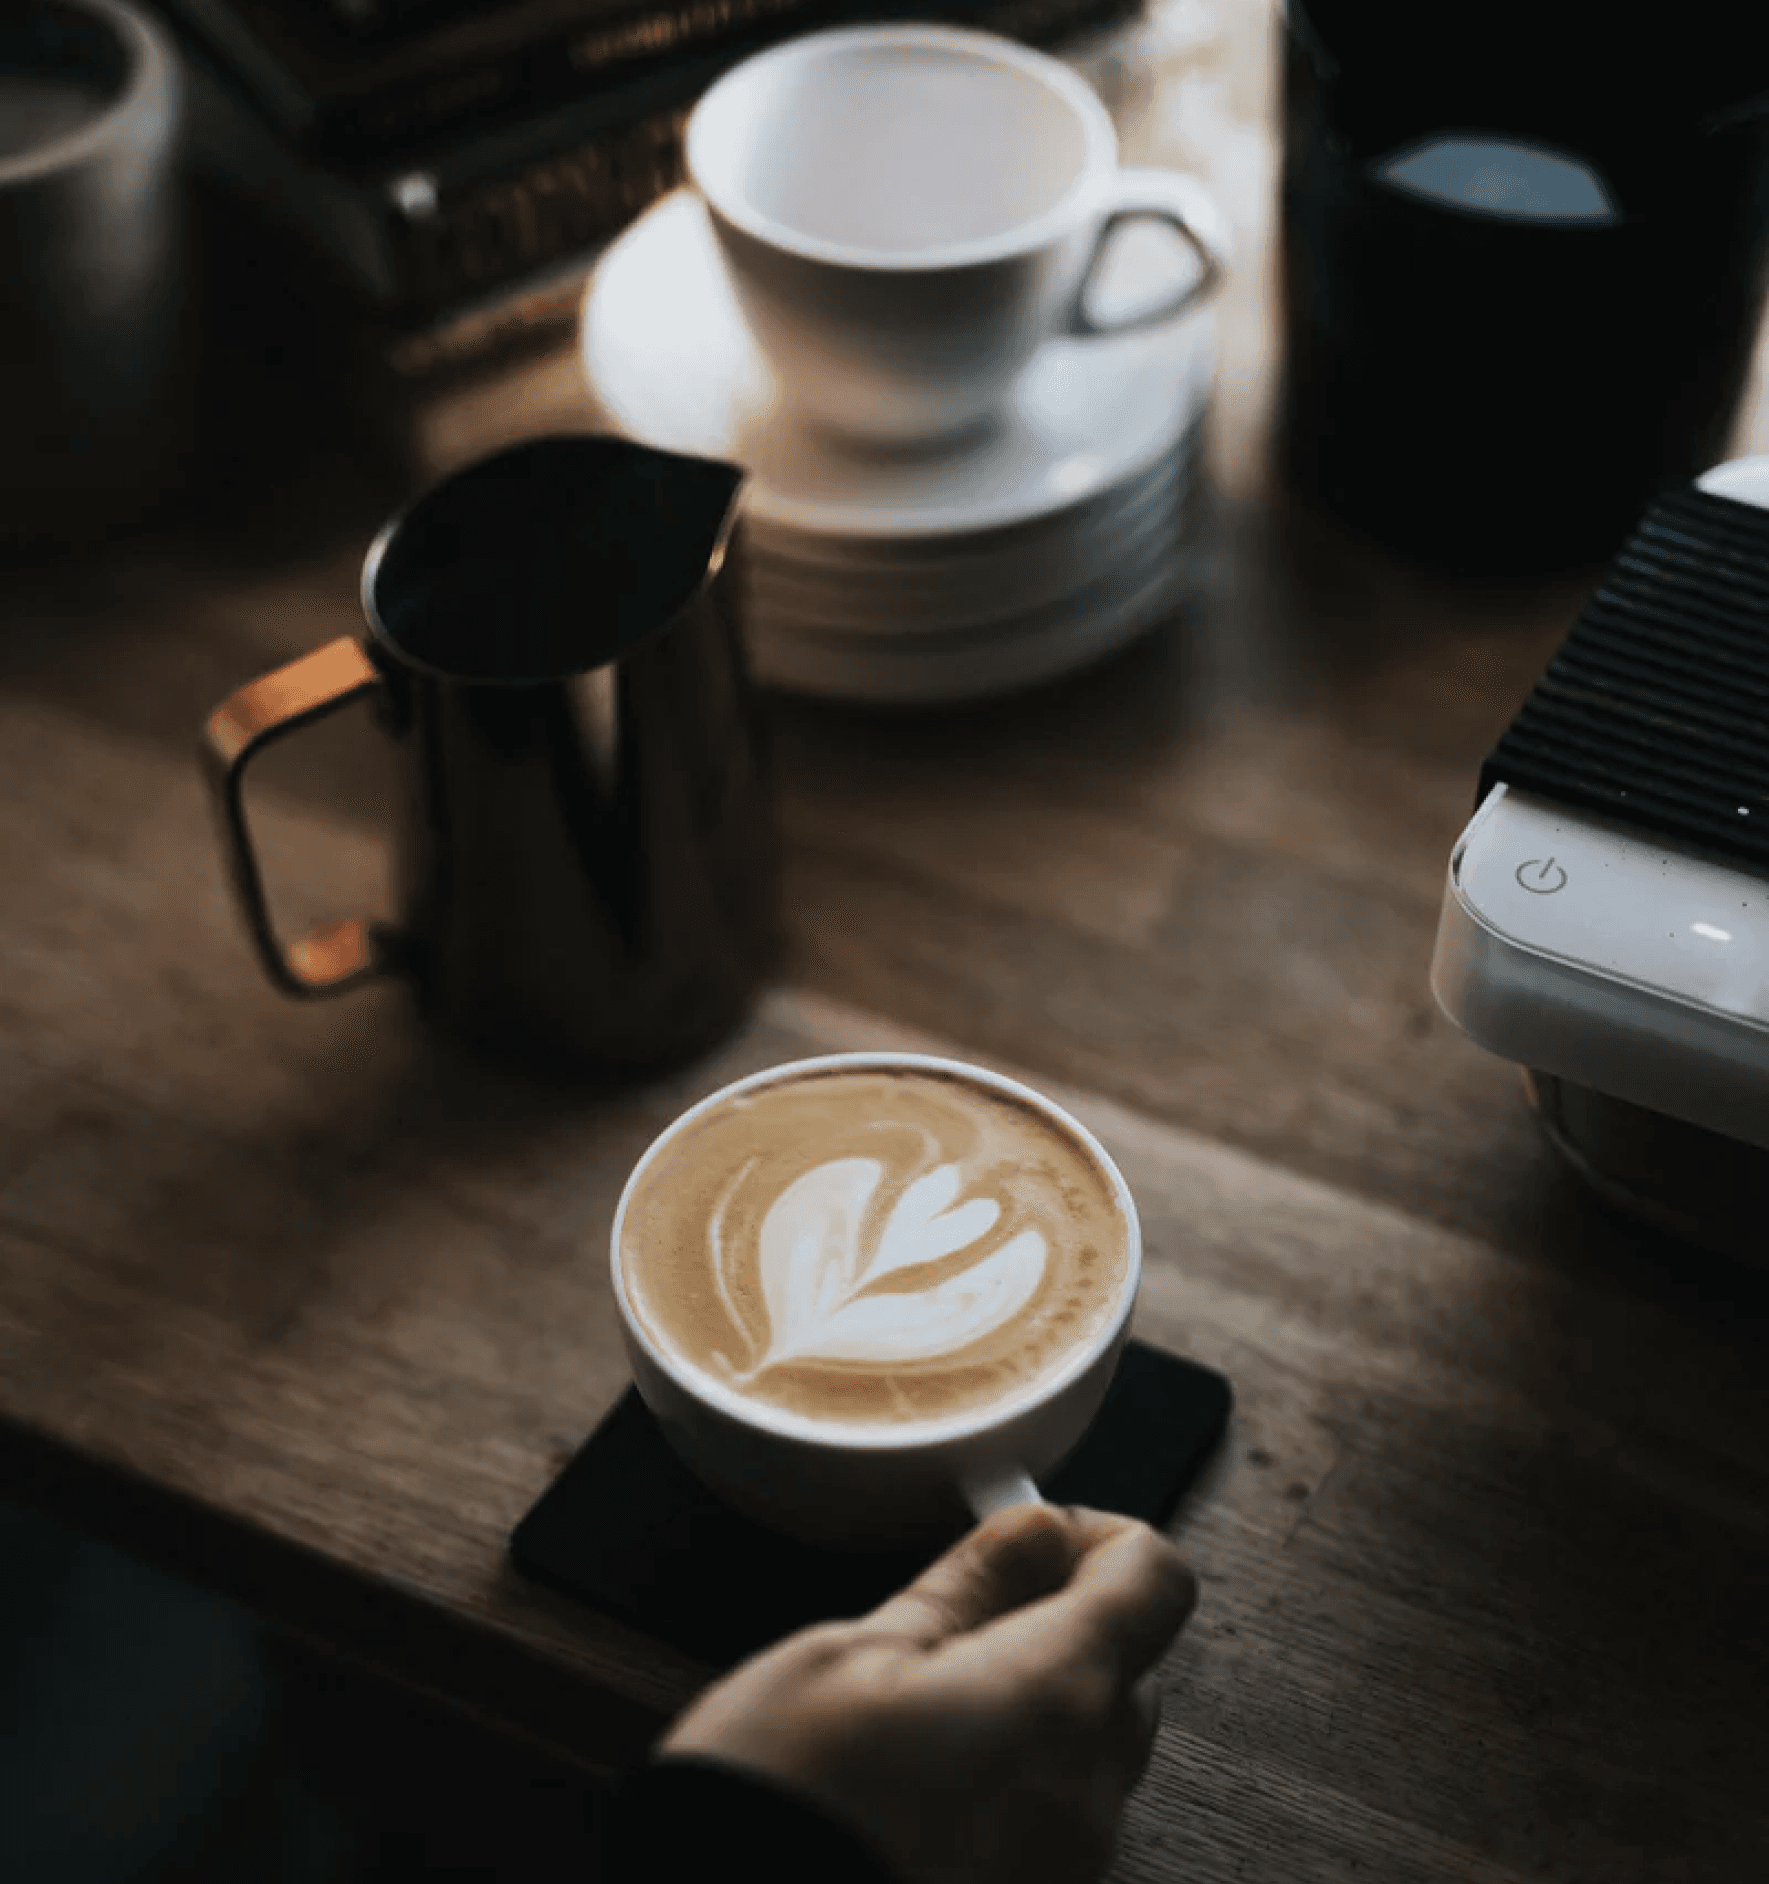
(875, 1246)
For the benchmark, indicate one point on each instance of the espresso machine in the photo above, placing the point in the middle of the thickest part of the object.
(1605, 921)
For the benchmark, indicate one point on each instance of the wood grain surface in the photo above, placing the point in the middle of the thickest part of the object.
(301, 1302)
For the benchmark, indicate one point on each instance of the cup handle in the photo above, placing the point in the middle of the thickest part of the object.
(989, 1492)
(1182, 202)
(247, 721)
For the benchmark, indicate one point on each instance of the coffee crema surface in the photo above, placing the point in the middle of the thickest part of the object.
(867, 1245)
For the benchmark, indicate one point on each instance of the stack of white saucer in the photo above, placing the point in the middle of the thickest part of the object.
(935, 575)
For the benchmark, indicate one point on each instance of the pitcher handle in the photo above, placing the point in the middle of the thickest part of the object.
(263, 710)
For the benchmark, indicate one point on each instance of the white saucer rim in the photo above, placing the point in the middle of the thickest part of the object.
(893, 681)
(1166, 539)
(1182, 576)
(928, 530)
(887, 559)
(998, 585)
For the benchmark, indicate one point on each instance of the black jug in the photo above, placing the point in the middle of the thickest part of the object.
(586, 854)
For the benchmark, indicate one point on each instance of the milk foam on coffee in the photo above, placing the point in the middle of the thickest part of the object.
(874, 1245)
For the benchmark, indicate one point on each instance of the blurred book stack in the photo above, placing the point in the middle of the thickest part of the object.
(443, 172)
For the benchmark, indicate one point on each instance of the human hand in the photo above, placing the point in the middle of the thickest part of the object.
(986, 1724)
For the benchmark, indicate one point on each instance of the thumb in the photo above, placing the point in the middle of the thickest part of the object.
(1019, 1555)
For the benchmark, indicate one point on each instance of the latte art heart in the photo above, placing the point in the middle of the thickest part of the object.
(820, 1279)
(863, 1245)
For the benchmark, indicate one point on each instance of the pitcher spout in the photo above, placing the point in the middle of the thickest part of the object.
(549, 559)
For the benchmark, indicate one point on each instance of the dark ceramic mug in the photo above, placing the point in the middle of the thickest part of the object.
(1489, 381)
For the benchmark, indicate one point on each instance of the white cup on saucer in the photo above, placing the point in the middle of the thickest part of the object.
(907, 213)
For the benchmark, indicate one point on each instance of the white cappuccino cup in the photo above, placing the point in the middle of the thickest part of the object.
(839, 1221)
(907, 213)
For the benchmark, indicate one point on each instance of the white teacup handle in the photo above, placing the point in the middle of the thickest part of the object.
(1183, 204)
(989, 1492)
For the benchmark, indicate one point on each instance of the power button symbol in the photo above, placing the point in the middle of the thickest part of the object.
(1541, 876)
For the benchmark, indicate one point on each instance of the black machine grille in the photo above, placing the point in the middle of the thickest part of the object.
(1655, 712)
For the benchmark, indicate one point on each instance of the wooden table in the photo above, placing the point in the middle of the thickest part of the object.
(296, 1301)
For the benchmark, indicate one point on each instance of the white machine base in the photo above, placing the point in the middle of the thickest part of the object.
(1606, 957)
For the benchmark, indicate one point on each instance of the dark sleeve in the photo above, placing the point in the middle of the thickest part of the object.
(683, 1820)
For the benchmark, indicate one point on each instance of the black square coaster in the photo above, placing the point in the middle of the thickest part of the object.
(628, 1529)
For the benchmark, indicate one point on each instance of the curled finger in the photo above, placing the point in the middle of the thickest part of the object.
(1145, 1704)
(1125, 1603)
(1129, 1739)
(1014, 1558)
